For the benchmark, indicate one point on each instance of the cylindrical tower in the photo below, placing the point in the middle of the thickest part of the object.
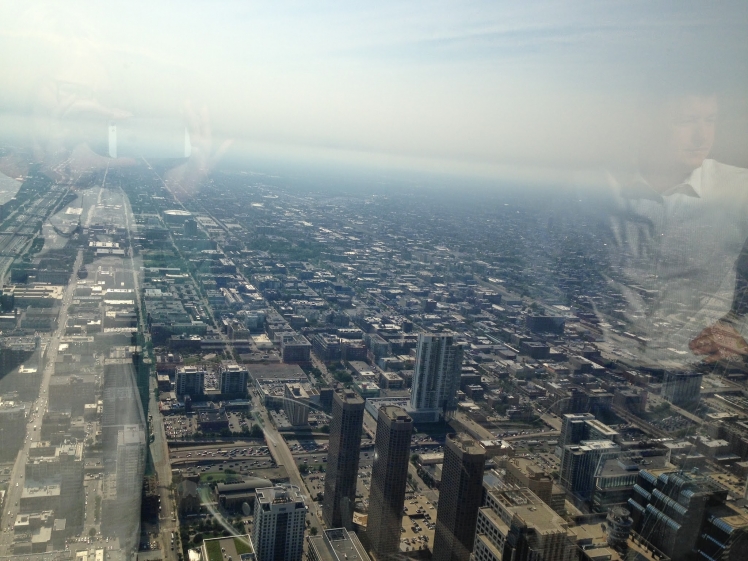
(619, 527)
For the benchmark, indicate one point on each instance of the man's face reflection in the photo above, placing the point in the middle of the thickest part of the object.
(690, 131)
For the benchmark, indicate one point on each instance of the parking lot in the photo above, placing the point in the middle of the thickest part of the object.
(419, 524)
(314, 479)
(236, 422)
(179, 426)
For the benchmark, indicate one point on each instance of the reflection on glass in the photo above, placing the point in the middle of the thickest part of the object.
(373, 283)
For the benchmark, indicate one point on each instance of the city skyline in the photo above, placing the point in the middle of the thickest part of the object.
(392, 282)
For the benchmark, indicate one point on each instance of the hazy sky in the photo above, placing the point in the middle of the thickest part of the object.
(487, 86)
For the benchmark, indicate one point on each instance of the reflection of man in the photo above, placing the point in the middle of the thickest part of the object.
(677, 226)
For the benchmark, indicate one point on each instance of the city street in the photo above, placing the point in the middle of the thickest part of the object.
(283, 456)
(15, 486)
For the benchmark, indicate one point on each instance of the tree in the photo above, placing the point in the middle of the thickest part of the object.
(197, 539)
(256, 431)
(92, 532)
(313, 531)
(414, 459)
(304, 468)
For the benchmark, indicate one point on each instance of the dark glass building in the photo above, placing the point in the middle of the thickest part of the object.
(459, 499)
(389, 476)
(342, 459)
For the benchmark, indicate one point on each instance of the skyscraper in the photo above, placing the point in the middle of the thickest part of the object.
(278, 531)
(437, 376)
(389, 476)
(342, 459)
(459, 499)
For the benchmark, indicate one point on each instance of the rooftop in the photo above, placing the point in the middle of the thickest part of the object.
(338, 544)
(280, 494)
(231, 548)
(396, 413)
(467, 444)
(529, 509)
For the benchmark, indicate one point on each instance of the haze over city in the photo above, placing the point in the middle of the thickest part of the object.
(492, 88)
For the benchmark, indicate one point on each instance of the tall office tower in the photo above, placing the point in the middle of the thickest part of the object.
(131, 445)
(515, 524)
(459, 499)
(388, 479)
(233, 379)
(336, 545)
(682, 389)
(278, 532)
(190, 381)
(342, 459)
(580, 462)
(437, 376)
(686, 515)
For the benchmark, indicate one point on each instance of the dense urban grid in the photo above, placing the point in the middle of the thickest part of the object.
(262, 371)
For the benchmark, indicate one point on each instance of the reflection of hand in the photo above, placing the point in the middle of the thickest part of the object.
(83, 161)
(67, 116)
(186, 178)
(721, 341)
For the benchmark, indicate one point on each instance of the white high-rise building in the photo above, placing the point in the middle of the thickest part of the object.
(278, 532)
(234, 379)
(190, 381)
(436, 378)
